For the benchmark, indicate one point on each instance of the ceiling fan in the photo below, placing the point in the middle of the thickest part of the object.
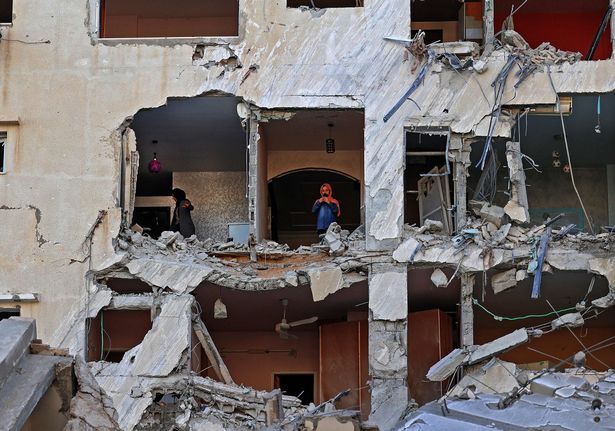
(283, 327)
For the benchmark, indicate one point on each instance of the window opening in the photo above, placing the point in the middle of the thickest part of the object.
(161, 18)
(2, 153)
(7, 312)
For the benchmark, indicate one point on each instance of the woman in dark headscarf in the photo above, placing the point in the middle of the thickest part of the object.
(182, 220)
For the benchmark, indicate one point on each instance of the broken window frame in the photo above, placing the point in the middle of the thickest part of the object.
(446, 171)
(95, 22)
(9, 135)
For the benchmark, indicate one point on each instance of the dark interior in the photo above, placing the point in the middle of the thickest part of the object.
(298, 385)
(292, 196)
(6, 11)
(325, 3)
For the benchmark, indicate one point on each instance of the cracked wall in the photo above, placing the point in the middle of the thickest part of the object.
(69, 146)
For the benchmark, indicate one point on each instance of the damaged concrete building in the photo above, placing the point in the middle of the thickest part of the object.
(471, 273)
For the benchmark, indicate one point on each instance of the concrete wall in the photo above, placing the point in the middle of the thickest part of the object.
(219, 198)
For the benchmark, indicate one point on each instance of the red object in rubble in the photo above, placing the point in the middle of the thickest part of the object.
(154, 166)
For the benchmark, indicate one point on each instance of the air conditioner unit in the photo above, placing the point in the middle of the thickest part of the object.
(565, 106)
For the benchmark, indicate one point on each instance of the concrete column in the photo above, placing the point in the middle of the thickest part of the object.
(466, 333)
(488, 26)
(252, 179)
(388, 354)
(460, 151)
(612, 28)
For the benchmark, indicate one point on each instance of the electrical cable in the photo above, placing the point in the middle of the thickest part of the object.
(529, 316)
(561, 116)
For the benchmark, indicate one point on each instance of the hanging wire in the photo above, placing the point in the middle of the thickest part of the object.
(561, 116)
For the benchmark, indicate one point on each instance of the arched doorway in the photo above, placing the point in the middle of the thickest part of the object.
(291, 198)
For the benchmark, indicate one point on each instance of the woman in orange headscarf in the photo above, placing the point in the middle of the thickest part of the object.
(327, 209)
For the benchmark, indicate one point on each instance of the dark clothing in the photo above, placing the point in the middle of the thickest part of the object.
(182, 220)
(327, 214)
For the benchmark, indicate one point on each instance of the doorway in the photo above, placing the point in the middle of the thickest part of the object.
(292, 196)
(296, 384)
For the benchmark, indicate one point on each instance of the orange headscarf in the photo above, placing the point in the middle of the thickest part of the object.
(331, 198)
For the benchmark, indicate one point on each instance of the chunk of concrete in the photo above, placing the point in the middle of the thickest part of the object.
(504, 280)
(439, 278)
(496, 378)
(521, 275)
(572, 320)
(446, 366)
(388, 296)
(406, 250)
(493, 214)
(16, 334)
(499, 345)
(550, 382)
(324, 282)
(516, 211)
(606, 301)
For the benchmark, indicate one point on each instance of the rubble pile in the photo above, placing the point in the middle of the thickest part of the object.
(502, 395)
(545, 53)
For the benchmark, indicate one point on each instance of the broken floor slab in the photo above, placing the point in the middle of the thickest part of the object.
(325, 281)
(163, 350)
(499, 345)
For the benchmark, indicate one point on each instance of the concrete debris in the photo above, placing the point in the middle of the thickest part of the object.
(90, 409)
(444, 368)
(504, 280)
(499, 345)
(496, 377)
(572, 320)
(432, 226)
(26, 378)
(439, 278)
(493, 214)
(333, 239)
(495, 396)
(324, 282)
(406, 251)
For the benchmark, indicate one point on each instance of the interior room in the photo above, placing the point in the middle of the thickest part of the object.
(428, 188)
(549, 186)
(433, 322)
(198, 145)
(448, 20)
(569, 25)
(563, 290)
(314, 360)
(161, 18)
(298, 155)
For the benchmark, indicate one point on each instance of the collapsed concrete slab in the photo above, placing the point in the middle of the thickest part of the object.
(499, 345)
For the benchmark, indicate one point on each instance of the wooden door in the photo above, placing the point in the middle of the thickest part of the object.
(430, 338)
(343, 364)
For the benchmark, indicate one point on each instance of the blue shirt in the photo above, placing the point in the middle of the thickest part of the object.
(327, 214)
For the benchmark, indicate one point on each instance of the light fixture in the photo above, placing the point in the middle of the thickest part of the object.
(219, 307)
(154, 166)
(330, 142)
(597, 127)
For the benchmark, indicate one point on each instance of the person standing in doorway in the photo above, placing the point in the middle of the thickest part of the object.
(182, 220)
(327, 209)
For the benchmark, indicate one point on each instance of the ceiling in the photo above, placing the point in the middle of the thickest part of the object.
(435, 10)
(544, 134)
(193, 134)
(307, 130)
(261, 310)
